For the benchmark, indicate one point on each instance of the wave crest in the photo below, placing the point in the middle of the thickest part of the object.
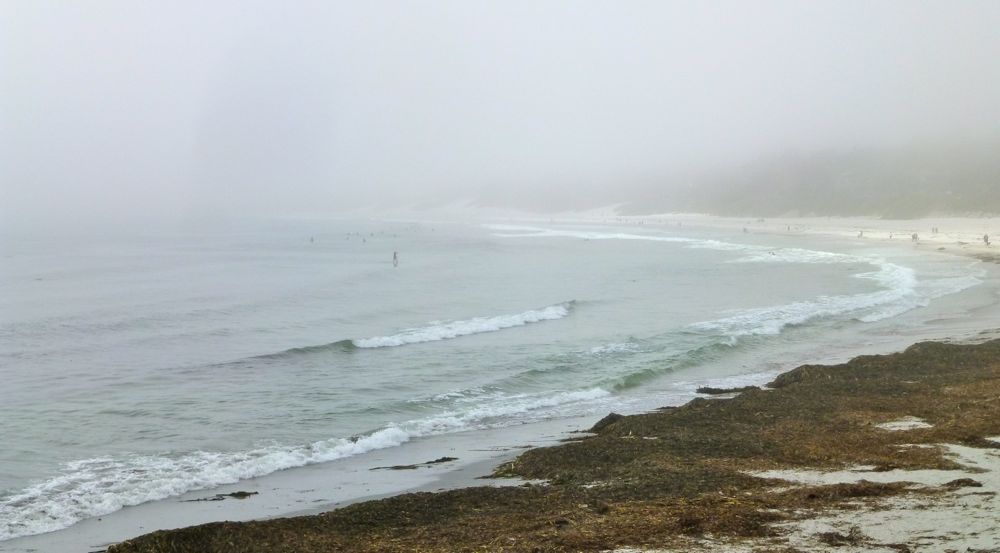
(477, 325)
(95, 487)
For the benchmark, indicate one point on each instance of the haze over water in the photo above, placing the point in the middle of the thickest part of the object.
(123, 113)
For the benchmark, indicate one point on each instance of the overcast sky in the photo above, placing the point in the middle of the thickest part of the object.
(125, 110)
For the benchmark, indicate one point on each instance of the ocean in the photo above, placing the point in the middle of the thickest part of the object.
(139, 368)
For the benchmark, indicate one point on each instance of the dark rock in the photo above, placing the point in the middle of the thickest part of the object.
(717, 391)
(610, 419)
(221, 496)
(417, 465)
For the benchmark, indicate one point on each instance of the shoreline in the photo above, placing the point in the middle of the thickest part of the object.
(311, 489)
(825, 456)
(962, 235)
(957, 235)
(288, 486)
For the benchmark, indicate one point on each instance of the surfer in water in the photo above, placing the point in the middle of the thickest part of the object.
(395, 259)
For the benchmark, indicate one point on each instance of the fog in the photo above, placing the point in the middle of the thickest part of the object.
(138, 111)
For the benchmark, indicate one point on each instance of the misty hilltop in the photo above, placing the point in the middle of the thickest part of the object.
(121, 113)
(895, 184)
(959, 179)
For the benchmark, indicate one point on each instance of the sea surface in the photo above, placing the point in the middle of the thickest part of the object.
(138, 368)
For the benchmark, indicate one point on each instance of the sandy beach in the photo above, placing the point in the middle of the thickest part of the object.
(959, 235)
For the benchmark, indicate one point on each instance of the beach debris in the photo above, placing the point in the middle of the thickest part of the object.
(561, 523)
(963, 483)
(854, 536)
(415, 466)
(905, 423)
(979, 442)
(719, 391)
(221, 496)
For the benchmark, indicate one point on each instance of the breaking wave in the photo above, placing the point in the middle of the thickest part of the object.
(478, 325)
(95, 487)
(900, 289)
(436, 331)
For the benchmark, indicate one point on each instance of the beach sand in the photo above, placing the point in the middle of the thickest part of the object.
(956, 235)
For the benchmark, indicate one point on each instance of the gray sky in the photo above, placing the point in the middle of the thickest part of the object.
(125, 110)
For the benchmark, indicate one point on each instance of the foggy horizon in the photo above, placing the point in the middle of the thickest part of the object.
(124, 112)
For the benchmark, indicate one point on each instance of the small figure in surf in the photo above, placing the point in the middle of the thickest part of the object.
(986, 239)
(395, 259)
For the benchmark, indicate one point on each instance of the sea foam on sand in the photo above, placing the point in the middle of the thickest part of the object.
(961, 519)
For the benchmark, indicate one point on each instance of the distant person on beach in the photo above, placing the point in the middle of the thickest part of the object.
(914, 237)
(986, 239)
(395, 259)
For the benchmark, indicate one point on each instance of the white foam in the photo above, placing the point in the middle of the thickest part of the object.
(96, 487)
(901, 290)
(538, 232)
(897, 297)
(609, 349)
(905, 423)
(519, 404)
(454, 329)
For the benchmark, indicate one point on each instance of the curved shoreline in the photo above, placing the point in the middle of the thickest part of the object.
(679, 476)
(244, 510)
